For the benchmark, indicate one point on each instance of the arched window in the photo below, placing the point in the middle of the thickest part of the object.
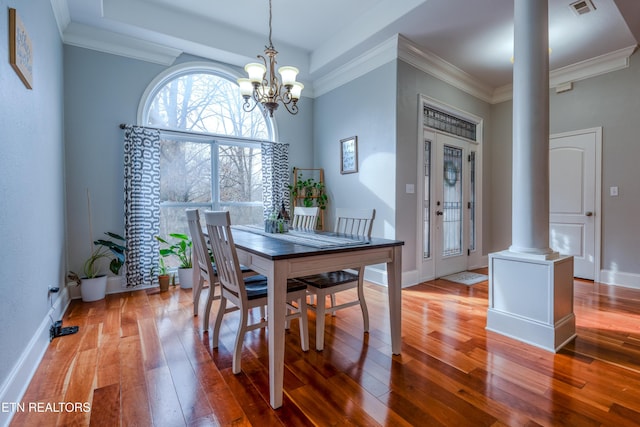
(202, 99)
(210, 147)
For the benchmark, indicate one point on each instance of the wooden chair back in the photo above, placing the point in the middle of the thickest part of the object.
(305, 218)
(224, 252)
(200, 247)
(356, 222)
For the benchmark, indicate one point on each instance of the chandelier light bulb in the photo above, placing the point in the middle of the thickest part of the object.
(255, 71)
(288, 75)
(246, 87)
(296, 90)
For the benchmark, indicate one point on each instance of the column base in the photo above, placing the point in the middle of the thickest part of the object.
(531, 299)
(524, 253)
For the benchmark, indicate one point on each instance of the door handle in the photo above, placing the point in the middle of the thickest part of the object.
(589, 213)
(438, 212)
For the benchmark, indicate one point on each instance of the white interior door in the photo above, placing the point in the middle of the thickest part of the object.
(574, 195)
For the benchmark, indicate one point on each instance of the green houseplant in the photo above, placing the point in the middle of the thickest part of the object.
(310, 191)
(94, 282)
(181, 249)
(106, 249)
(163, 275)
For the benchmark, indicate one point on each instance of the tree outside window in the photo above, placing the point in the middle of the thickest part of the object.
(214, 160)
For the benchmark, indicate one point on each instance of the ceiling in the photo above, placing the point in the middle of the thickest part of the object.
(471, 39)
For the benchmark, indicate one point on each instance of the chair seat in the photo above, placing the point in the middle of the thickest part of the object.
(328, 280)
(249, 292)
(256, 286)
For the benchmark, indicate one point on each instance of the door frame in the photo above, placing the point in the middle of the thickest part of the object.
(598, 192)
(426, 268)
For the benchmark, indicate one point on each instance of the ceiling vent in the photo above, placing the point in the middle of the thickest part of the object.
(582, 7)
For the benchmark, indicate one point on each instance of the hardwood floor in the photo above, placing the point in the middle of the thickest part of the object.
(141, 359)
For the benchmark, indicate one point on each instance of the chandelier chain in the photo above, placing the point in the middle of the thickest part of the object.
(270, 27)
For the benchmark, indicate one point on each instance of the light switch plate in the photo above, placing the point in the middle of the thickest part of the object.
(411, 188)
(613, 190)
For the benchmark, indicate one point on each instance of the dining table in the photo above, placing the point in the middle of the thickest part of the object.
(282, 256)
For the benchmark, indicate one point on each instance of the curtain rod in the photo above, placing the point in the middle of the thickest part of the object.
(184, 132)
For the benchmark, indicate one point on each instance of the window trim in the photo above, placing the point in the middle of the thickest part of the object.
(214, 143)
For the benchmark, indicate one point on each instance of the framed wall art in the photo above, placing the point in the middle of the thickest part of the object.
(20, 50)
(349, 155)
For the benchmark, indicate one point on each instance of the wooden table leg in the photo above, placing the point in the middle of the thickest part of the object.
(394, 276)
(276, 310)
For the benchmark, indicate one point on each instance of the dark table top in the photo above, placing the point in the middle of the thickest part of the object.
(273, 248)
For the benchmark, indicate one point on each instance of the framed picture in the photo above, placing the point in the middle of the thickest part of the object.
(20, 52)
(349, 155)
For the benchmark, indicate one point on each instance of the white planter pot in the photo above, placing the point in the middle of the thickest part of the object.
(93, 289)
(185, 278)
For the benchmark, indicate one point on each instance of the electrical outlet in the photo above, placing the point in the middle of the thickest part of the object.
(56, 330)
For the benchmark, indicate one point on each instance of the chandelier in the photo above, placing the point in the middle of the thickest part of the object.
(270, 92)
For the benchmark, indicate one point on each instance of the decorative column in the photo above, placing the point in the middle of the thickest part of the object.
(530, 209)
(531, 286)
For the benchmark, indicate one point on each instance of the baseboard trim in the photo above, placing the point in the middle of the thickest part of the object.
(545, 336)
(619, 278)
(115, 285)
(378, 276)
(13, 389)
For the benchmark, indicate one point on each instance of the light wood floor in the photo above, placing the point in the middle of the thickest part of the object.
(141, 359)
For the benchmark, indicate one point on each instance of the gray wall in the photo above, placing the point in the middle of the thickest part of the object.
(499, 178)
(364, 108)
(31, 187)
(102, 91)
(413, 82)
(613, 102)
(387, 145)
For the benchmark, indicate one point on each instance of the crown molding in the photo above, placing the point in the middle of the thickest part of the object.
(593, 67)
(602, 64)
(370, 60)
(502, 94)
(118, 44)
(442, 70)
(61, 14)
(399, 47)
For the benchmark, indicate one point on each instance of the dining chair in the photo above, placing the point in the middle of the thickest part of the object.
(354, 222)
(205, 267)
(247, 292)
(305, 218)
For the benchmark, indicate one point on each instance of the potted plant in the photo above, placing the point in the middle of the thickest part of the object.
(310, 191)
(181, 249)
(163, 275)
(93, 284)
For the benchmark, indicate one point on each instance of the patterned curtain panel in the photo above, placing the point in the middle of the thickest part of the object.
(275, 177)
(141, 203)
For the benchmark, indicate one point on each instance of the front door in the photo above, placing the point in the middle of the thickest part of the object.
(574, 176)
(449, 204)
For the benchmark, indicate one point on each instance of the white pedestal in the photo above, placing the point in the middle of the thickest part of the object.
(531, 299)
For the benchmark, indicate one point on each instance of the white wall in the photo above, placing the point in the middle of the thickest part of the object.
(31, 198)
